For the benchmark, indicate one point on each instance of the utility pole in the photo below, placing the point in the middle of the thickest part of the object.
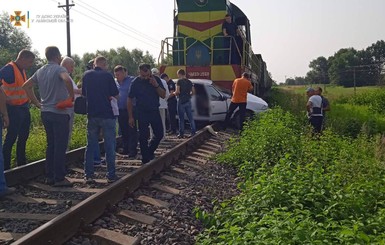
(67, 9)
(354, 79)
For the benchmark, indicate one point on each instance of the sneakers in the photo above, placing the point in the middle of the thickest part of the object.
(180, 136)
(49, 181)
(132, 157)
(170, 132)
(99, 163)
(63, 183)
(191, 135)
(112, 180)
(144, 161)
(7, 191)
(89, 180)
(150, 157)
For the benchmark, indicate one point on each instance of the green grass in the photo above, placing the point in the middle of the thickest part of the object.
(37, 144)
(350, 114)
(332, 92)
(300, 190)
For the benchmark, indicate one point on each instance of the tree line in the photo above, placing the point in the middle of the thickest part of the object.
(13, 39)
(348, 67)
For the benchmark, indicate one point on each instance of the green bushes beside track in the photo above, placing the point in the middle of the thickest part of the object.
(36, 144)
(300, 190)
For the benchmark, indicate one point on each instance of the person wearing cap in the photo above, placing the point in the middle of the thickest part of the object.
(240, 88)
(55, 87)
(146, 90)
(171, 103)
(325, 105)
(314, 110)
(162, 101)
(90, 65)
(12, 78)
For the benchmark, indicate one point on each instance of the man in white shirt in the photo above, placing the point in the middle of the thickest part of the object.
(69, 64)
(314, 110)
(162, 102)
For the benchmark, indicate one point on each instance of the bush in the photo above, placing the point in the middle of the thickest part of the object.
(319, 191)
(351, 120)
(349, 116)
(37, 144)
(375, 100)
(273, 141)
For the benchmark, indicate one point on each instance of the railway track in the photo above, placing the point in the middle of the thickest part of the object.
(42, 214)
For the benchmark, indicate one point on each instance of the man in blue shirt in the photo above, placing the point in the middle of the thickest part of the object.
(99, 87)
(4, 122)
(146, 90)
(129, 134)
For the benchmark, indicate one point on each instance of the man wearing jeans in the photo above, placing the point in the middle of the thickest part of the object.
(184, 91)
(56, 94)
(129, 134)
(99, 87)
(146, 90)
(12, 78)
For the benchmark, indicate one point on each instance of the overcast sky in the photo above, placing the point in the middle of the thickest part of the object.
(288, 33)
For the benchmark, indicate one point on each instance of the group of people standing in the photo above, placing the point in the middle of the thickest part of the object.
(137, 103)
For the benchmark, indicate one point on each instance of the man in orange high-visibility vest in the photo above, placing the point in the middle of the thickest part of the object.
(12, 78)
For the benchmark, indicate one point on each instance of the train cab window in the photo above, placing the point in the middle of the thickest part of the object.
(213, 94)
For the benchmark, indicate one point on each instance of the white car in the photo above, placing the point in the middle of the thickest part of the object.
(211, 103)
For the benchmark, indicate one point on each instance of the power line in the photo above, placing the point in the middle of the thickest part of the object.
(114, 28)
(67, 9)
(115, 21)
(124, 33)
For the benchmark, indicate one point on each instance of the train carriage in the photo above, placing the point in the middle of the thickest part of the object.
(199, 47)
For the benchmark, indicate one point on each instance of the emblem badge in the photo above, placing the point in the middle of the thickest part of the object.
(201, 3)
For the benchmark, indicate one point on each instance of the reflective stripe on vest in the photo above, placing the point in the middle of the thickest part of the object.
(317, 110)
(16, 95)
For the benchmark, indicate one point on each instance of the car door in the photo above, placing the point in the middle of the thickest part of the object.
(200, 103)
(218, 104)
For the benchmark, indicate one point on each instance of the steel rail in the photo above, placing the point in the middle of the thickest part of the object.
(67, 224)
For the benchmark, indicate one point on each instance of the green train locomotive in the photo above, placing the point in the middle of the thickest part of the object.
(199, 46)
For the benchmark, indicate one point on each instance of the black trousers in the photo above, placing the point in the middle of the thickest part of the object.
(242, 113)
(146, 119)
(172, 111)
(316, 122)
(129, 134)
(19, 123)
(57, 129)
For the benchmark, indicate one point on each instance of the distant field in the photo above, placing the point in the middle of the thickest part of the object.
(331, 91)
(349, 115)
